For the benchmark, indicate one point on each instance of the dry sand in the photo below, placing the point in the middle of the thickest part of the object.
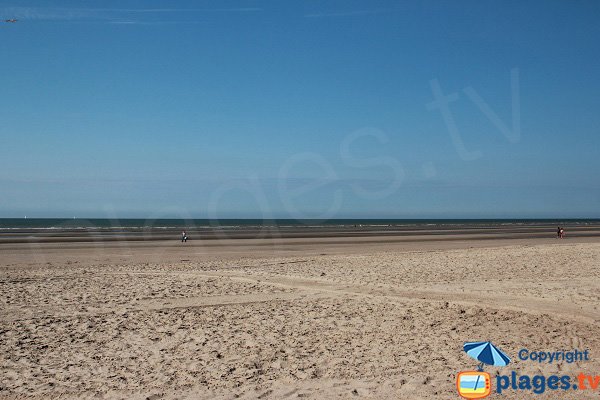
(319, 321)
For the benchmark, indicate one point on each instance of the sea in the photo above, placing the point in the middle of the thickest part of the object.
(132, 223)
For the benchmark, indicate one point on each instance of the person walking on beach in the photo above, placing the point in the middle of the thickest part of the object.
(562, 233)
(183, 237)
(558, 232)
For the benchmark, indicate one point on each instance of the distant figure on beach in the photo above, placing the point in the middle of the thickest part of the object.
(558, 232)
(183, 237)
(562, 233)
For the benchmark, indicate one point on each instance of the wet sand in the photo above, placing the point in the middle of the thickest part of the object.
(380, 317)
(388, 233)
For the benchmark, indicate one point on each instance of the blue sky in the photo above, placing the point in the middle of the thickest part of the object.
(299, 109)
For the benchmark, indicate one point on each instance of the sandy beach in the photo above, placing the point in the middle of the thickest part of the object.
(289, 318)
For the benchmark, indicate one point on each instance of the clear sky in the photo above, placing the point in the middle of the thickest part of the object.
(300, 109)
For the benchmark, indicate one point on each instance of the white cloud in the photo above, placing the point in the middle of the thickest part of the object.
(354, 13)
(111, 15)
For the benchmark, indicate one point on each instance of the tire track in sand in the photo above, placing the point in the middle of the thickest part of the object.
(487, 300)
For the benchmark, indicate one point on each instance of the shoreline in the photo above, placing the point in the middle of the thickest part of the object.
(387, 233)
(226, 249)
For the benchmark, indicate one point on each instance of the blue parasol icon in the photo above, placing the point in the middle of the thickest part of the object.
(486, 353)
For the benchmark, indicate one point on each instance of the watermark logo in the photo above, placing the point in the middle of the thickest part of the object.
(478, 384)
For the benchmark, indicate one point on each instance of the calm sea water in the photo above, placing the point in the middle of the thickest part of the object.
(58, 223)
